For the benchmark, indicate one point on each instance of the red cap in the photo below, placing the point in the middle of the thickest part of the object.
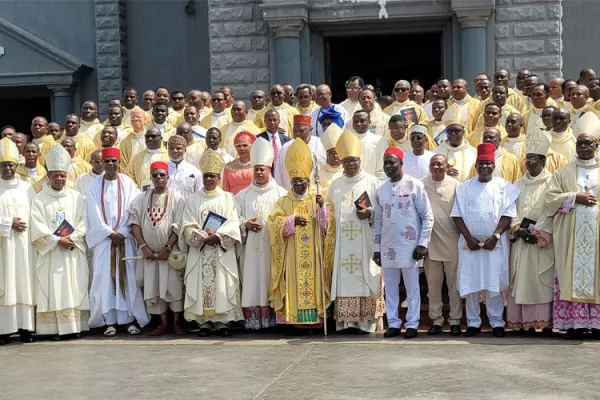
(301, 119)
(111, 152)
(244, 134)
(486, 152)
(159, 165)
(395, 151)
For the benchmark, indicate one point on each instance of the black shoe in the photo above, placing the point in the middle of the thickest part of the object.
(410, 333)
(391, 332)
(547, 332)
(595, 333)
(433, 330)
(55, 338)
(204, 332)
(455, 330)
(574, 334)
(498, 332)
(25, 337)
(4, 339)
(224, 332)
(472, 331)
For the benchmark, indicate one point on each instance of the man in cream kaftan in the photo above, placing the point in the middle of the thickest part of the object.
(62, 268)
(17, 259)
(459, 153)
(114, 297)
(355, 285)
(373, 145)
(211, 277)
(255, 204)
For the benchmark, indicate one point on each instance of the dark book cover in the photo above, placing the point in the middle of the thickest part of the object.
(410, 115)
(363, 201)
(527, 223)
(64, 229)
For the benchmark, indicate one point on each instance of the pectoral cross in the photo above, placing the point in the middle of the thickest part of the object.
(350, 230)
(351, 264)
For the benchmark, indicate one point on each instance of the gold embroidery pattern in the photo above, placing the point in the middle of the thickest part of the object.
(209, 270)
(305, 288)
(351, 263)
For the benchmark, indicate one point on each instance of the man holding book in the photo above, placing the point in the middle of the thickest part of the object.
(355, 285)
(58, 234)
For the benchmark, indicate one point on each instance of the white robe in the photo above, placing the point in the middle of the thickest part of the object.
(371, 158)
(316, 148)
(108, 305)
(62, 275)
(82, 184)
(417, 166)
(255, 258)
(481, 205)
(403, 220)
(17, 259)
(184, 178)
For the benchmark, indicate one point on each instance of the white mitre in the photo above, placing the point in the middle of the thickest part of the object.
(261, 153)
(8, 151)
(58, 159)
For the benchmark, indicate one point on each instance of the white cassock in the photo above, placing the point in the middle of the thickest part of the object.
(403, 220)
(63, 304)
(184, 178)
(163, 286)
(417, 166)
(119, 300)
(82, 184)
(371, 158)
(211, 277)
(481, 205)
(17, 259)
(255, 258)
(355, 285)
(317, 150)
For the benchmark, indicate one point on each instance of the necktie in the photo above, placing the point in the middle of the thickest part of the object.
(275, 152)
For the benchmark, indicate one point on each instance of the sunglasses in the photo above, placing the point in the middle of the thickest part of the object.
(151, 136)
(158, 175)
(400, 89)
(178, 98)
(215, 99)
(453, 131)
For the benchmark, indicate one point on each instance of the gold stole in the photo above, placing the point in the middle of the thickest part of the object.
(305, 266)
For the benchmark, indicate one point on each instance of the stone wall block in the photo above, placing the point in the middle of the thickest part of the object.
(239, 28)
(251, 60)
(233, 76)
(554, 45)
(107, 22)
(533, 1)
(519, 47)
(554, 11)
(108, 48)
(113, 61)
(522, 13)
(504, 63)
(552, 74)
(229, 45)
(262, 75)
(536, 28)
(109, 73)
(236, 13)
(502, 31)
(106, 9)
(261, 43)
(538, 62)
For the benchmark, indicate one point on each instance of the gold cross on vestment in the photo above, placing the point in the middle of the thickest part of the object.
(351, 264)
(350, 230)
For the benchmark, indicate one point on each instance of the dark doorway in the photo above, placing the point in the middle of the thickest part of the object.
(19, 112)
(382, 60)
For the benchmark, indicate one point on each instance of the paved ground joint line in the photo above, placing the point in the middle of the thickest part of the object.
(300, 357)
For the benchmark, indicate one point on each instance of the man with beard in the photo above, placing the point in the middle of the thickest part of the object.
(184, 178)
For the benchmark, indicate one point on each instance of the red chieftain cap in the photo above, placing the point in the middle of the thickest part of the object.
(301, 119)
(159, 165)
(486, 152)
(111, 152)
(395, 151)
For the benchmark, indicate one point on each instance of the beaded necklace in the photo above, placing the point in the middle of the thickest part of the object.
(154, 216)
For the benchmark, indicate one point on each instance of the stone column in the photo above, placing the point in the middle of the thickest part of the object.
(473, 16)
(62, 102)
(286, 20)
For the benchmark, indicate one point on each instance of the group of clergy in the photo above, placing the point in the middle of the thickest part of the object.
(297, 214)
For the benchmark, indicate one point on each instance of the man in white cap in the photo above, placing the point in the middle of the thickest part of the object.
(58, 233)
(416, 162)
(184, 178)
(255, 204)
(17, 263)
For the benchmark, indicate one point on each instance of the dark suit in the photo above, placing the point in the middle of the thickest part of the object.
(283, 139)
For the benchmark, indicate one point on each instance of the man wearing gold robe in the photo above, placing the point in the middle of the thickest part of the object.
(78, 166)
(139, 167)
(297, 272)
(134, 143)
(39, 130)
(333, 166)
(401, 92)
(238, 123)
(509, 167)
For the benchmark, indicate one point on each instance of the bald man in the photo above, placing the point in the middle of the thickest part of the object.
(462, 106)
(514, 142)
(580, 105)
(195, 99)
(556, 91)
(134, 143)
(286, 112)
(238, 123)
(403, 105)
(586, 77)
(507, 165)
(257, 100)
(195, 146)
(148, 99)
(478, 79)
(89, 123)
(39, 131)
(78, 165)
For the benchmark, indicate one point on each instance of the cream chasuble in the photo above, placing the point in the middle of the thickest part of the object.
(45, 143)
(229, 132)
(212, 279)
(159, 280)
(133, 144)
(564, 143)
(350, 106)
(462, 158)
(286, 117)
(77, 168)
(467, 107)
(308, 110)
(373, 147)
(508, 166)
(62, 275)
(515, 146)
(17, 259)
(379, 123)
(435, 128)
(194, 151)
(252, 113)
(476, 137)
(327, 175)
(255, 258)
(139, 167)
(215, 120)
(31, 175)
(575, 229)
(123, 132)
(355, 283)
(84, 147)
(577, 113)
(89, 129)
(532, 120)
(175, 117)
(296, 284)
(531, 267)
(396, 107)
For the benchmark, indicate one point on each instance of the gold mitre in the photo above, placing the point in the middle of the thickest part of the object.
(298, 160)
(331, 136)
(211, 162)
(8, 151)
(588, 123)
(58, 159)
(348, 145)
(538, 142)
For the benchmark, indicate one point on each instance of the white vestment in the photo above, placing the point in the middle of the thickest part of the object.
(481, 205)
(371, 158)
(417, 166)
(17, 259)
(82, 184)
(184, 178)
(62, 274)
(317, 150)
(112, 300)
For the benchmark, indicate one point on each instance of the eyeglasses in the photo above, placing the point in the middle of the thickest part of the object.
(151, 136)
(453, 131)
(217, 99)
(297, 181)
(400, 89)
(350, 160)
(158, 174)
(178, 98)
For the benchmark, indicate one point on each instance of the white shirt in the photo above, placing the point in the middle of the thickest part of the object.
(275, 137)
(417, 166)
(317, 128)
(184, 178)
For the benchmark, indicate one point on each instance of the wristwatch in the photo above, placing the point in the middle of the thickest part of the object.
(497, 236)
(169, 248)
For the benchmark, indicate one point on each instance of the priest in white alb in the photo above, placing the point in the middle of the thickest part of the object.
(356, 282)
(114, 297)
(58, 233)
(255, 204)
(17, 258)
(210, 226)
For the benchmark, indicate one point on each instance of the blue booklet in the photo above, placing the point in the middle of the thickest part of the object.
(213, 221)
